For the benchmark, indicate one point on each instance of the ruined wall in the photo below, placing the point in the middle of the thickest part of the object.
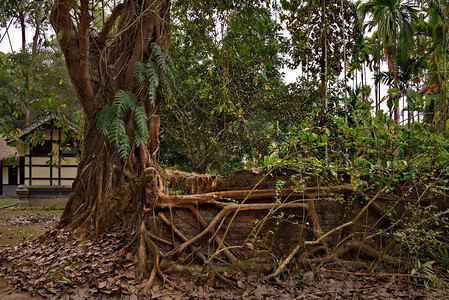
(269, 235)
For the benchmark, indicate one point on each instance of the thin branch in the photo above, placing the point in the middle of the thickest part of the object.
(110, 23)
(359, 215)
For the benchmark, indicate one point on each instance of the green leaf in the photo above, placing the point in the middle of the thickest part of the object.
(141, 134)
(104, 120)
(119, 137)
(159, 56)
(139, 71)
(123, 100)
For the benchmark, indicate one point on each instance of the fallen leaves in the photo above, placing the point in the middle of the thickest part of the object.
(26, 219)
(54, 267)
(57, 267)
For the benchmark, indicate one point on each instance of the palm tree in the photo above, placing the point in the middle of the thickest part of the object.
(434, 31)
(394, 20)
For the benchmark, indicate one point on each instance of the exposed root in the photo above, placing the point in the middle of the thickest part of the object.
(225, 280)
(217, 239)
(370, 252)
(352, 222)
(156, 256)
(156, 259)
(180, 235)
(313, 216)
(292, 254)
(141, 254)
(306, 193)
(229, 207)
(351, 246)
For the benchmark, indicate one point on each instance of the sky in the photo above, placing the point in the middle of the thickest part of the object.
(16, 39)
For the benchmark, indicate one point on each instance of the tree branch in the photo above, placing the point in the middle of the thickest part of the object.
(83, 36)
(109, 24)
(306, 193)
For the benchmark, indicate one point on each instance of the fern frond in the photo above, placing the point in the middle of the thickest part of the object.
(153, 80)
(160, 57)
(152, 94)
(141, 119)
(123, 100)
(104, 119)
(139, 71)
(119, 137)
(170, 74)
(140, 139)
(152, 74)
(170, 62)
(166, 85)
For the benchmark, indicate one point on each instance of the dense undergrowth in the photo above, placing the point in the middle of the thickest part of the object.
(408, 161)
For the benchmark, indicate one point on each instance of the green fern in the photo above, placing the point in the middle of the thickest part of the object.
(170, 63)
(123, 101)
(118, 136)
(104, 120)
(159, 57)
(141, 135)
(140, 71)
(153, 80)
(170, 75)
(110, 121)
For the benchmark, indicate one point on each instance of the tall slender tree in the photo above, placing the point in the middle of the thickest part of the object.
(394, 22)
(323, 31)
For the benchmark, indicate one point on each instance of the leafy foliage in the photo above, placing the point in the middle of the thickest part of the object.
(230, 100)
(375, 151)
(111, 120)
(38, 84)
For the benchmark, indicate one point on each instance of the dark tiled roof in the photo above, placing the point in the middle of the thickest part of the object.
(41, 122)
(6, 151)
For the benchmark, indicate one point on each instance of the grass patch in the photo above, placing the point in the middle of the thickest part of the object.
(53, 207)
(8, 201)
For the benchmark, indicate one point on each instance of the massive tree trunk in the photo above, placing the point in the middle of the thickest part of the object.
(108, 191)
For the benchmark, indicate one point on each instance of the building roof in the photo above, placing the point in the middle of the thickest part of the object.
(44, 120)
(6, 151)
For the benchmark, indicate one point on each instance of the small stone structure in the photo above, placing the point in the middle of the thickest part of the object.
(43, 195)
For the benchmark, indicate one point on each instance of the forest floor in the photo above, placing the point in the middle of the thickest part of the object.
(104, 270)
(18, 225)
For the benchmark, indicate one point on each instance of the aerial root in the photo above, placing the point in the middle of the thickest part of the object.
(305, 251)
(180, 235)
(156, 261)
(216, 238)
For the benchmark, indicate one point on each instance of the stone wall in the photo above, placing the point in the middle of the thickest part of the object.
(280, 231)
(262, 234)
(43, 195)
